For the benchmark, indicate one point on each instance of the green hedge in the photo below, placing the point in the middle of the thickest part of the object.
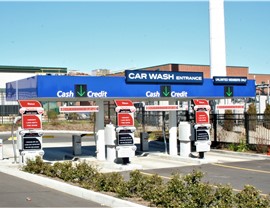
(180, 191)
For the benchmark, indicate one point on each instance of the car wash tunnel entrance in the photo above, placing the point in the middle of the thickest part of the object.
(135, 95)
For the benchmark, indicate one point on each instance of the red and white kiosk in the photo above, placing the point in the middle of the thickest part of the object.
(29, 136)
(125, 129)
(202, 126)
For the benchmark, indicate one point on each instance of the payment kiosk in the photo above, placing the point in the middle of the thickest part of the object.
(29, 136)
(201, 141)
(125, 129)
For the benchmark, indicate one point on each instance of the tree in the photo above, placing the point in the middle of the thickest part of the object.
(52, 116)
(228, 120)
(266, 120)
(252, 115)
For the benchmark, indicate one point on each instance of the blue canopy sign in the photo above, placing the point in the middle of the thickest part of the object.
(229, 80)
(134, 76)
(92, 88)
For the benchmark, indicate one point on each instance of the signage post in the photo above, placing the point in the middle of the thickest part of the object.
(77, 139)
(201, 134)
(125, 129)
(29, 137)
(172, 125)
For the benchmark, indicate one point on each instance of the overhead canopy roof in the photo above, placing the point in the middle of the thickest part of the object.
(138, 85)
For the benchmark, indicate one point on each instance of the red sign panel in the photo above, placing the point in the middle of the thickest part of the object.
(31, 121)
(202, 117)
(68, 109)
(30, 104)
(230, 107)
(125, 119)
(200, 102)
(162, 108)
(126, 105)
(122, 103)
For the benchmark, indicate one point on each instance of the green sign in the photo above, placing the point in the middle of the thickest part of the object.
(165, 91)
(228, 91)
(81, 90)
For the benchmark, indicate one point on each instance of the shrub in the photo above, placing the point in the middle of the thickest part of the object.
(136, 182)
(37, 166)
(65, 171)
(266, 120)
(109, 182)
(85, 172)
(52, 116)
(152, 189)
(250, 197)
(228, 120)
(73, 116)
(175, 193)
(200, 194)
(252, 115)
(261, 144)
(187, 191)
(242, 146)
(223, 197)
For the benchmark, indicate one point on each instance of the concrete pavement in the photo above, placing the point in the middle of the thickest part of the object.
(155, 158)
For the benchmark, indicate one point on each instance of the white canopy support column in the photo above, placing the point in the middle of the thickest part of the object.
(100, 133)
(172, 132)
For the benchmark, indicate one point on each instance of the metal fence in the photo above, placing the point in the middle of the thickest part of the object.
(234, 128)
(8, 112)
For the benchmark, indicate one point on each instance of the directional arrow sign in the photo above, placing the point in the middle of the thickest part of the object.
(80, 90)
(228, 91)
(165, 91)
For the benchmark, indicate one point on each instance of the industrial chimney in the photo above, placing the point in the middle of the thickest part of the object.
(217, 38)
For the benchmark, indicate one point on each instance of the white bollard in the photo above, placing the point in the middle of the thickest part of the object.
(100, 145)
(110, 142)
(173, 141)
(172, 132)
(185, 138)
(111, 153)
(1, 149)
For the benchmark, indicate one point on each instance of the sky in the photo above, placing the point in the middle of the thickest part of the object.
(119, 35)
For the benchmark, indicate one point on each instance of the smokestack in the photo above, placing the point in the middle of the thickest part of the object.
(217, 38)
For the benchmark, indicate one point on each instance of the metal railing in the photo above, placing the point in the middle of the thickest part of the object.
(234, 128)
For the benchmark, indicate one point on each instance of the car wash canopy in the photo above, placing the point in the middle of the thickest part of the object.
(135, 85)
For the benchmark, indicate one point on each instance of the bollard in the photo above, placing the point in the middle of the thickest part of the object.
(1, 149)
(185, 138)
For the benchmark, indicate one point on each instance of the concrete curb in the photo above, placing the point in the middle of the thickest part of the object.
(66, 132)
(103, 199)
(194, 161)
(203, 161)
(244, 154)
(53, 132)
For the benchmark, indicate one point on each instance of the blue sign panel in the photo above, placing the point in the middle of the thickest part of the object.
(62, 88)
(134, 76)
(25, 89)
(230, 80)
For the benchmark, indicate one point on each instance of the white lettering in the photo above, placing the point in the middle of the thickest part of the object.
(197, 78)
(97, 94)
(65, 94)
(161, 76)
(152, 94)
(179, 94)
(234, 80)
(137, 76)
